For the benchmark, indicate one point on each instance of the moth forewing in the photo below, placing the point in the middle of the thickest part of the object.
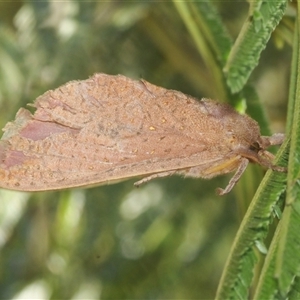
(110, 128)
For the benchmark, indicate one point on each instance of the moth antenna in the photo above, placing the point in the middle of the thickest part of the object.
(144, 83)
(267, 162)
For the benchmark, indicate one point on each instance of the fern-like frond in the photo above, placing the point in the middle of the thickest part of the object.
(267, 287)
(210, 37)
(210, 23)
(237, 276)
(243, 58)
(294, 294)
(288, 259)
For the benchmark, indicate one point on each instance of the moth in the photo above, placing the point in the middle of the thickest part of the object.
(110, 128)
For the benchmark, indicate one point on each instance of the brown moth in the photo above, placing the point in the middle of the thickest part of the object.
(108, 128)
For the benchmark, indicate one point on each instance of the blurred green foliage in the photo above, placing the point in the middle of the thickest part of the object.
(166, 240)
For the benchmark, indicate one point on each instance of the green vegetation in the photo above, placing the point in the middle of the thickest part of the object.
(170, 238)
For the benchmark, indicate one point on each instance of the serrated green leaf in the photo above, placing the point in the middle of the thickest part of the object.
(206, 28)
(288, 258)
(210, 22)
(294, 294)
(235, 281)
(252, 39)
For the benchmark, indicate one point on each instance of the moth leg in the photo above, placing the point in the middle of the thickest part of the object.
(270, 157)
(240, 170)
(153, 176)
(275, 139)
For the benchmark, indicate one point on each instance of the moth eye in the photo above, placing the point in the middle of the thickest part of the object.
(255, 147)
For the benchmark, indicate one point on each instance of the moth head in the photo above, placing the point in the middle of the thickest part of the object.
(245, 140)
(260, 155)
(242, 132)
